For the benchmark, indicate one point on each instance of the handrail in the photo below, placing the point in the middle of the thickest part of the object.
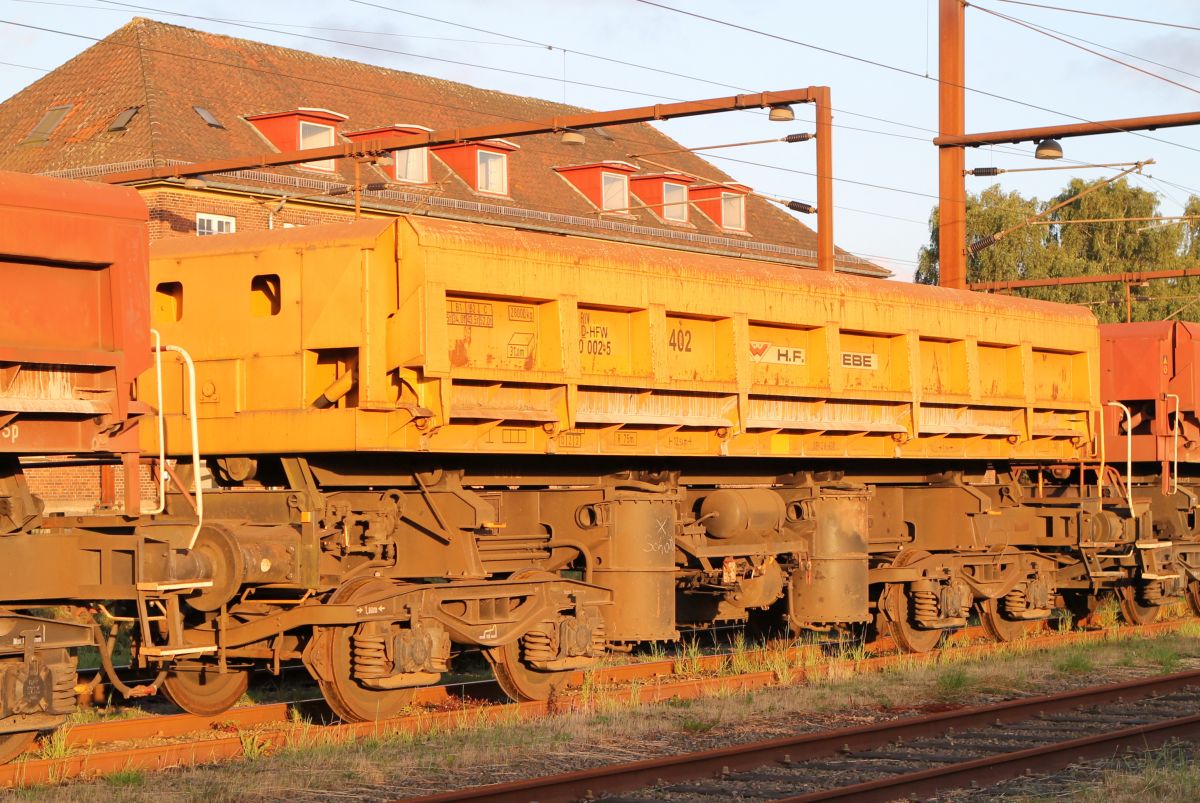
(197, 491)
(1175, 443)
(1128, 453)
(162, 434)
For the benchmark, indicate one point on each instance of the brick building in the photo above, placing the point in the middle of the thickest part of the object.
(171, 95)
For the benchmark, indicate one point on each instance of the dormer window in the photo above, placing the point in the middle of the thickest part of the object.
(723, 204)
(664, 194)
(614, 192)
(604, 184)
(733, 211)
(492, 172)
(675, 205)
(411, 165)
(300, 129)
(316, 135)
(482, 165)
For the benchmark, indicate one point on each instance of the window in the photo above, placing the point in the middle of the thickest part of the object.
(493, 172)
(265, 295)
(733, 210)
(168, 302)
(314, 135)
(412, 165)
(122, 120)
(214, 224)
(45, 127)
(675, 202)
(614, 192)
(207, 117)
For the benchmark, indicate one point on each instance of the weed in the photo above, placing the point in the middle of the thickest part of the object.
(126, 777)
(698, 724)
(690, 658)
(953, 683)
(254, 745)
(55, 745)
(1074, 663)
(1164, 655)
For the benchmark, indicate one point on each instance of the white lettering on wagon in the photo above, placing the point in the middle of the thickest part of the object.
(764, 351)
(10, 433)
(862, 360)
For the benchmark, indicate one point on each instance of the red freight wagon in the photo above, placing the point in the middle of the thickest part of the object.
(1151, 368)
(74, 334)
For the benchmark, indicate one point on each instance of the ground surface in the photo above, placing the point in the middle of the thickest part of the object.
(400, 765)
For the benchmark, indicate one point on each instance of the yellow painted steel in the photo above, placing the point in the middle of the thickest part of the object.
(472, 338)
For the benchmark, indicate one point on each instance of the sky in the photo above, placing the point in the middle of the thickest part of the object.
(879, 57)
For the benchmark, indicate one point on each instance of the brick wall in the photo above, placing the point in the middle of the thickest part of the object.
(173, 212)
(76, 489)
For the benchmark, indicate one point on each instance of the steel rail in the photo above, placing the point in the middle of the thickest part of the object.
(993, 769)
(691, 766)
(100, 762)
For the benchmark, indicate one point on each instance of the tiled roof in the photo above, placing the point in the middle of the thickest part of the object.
(166, 70)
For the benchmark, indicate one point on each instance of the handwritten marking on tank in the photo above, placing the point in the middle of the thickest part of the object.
(662, 540)
(763, 351)
(469, 313)
(861, 360)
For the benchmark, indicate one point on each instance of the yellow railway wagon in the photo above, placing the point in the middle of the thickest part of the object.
(415, 334)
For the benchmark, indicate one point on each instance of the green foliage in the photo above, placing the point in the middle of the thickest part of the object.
(1042, 251)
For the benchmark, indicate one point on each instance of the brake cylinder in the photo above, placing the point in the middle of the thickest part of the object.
(637, 562)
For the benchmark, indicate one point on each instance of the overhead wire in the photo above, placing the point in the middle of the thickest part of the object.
(1141, 20)
(1044, 32)
(58, 4)
(908, 72)
(557, 78)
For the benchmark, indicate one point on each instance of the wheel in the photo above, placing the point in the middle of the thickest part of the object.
(998, 628)
(14, 744)
(1193, 596)
(896, 605)
(517, 679)
(349, 699)
(202, 690)
(1132, 611)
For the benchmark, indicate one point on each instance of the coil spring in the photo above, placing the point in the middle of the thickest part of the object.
(598, 639)
(540, 645)
(1016, 601)
(924, 605)
(1152, 593)
(368, 657)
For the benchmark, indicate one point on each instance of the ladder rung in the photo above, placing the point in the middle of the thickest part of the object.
(182, 585)
(1159, 576)
(166, 652)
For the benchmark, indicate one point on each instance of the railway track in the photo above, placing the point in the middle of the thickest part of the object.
(895, 759)
(112, 746)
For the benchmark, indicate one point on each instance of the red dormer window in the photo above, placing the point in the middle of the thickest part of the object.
(300, 129)
(724, 204)
(665, 194)
(409, 166)
(604, 184)
(483, 165)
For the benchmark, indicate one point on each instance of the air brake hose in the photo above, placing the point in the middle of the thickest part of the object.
(105, 646)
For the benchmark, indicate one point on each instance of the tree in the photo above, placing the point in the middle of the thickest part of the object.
(1043, 251)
